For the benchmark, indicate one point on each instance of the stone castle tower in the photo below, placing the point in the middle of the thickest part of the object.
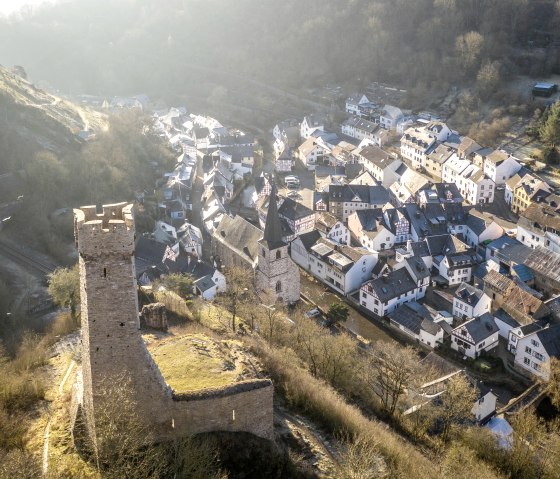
(112, 346)
(111, 343)
(276, 272)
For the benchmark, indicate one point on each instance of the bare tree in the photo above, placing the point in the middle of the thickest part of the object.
(456, 404)
(552, 385)
(389, 371)
(360, 459)
(460, 462)
(239, 291)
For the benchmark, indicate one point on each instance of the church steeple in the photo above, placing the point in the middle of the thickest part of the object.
(273, 228)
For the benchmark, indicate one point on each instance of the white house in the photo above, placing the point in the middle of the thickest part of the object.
(470, 302)
(455, 268)
(332, 228)
(210, 285)
(383, 295)
(390, 117)
(355, 102)
(481, 227)
(475, 336)
(417, 321)
(499, 166)
(416, 145)
(359, 128)
(341, 267)
(473, 184)
(311, 152)
(539, 225)
(309, 124)
(191, 239)
(485, 405)
(382, 165)
(534, 351)
(369, 229)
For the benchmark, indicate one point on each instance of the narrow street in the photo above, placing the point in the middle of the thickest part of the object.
(356, 322)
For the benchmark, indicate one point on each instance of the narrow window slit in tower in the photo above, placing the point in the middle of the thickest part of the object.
(104, 272)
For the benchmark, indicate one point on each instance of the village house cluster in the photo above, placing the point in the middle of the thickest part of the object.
(392, 224)
(402, 217)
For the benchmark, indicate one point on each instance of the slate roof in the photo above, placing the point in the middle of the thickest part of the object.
(369, 219)
(476, 224)
(468, 294)
(414, 317)
(205, 283)
(420, 248)
(293, 210)
(502, 242)
(310, 238)
(392, 285)
(272, 235)
(418, 267)
(373, 195)
(240, 236)
(377, 156)
(479, 328)
(550, 339)
(442, 190)
(516, 254)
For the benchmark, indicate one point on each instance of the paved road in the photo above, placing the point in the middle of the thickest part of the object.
(356, 322)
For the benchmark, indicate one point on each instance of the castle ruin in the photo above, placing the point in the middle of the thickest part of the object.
(113, 345)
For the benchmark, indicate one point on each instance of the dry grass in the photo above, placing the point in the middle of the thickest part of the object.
(321, 402)
(196, 361)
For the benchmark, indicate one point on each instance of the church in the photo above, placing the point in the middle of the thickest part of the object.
(236, 242)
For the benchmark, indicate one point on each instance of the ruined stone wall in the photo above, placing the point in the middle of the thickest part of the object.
(240, 407)
(113, 346)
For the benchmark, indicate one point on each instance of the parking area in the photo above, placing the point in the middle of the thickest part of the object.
(304, 193)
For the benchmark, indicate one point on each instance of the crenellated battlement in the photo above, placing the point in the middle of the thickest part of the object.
(109, 232)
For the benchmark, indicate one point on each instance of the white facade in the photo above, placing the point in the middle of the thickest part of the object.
(454, 274)
(502, 171)
(473, 185)
(531, 356)
(338, 233)
(377, 240)
(463, 342)
(462, 309)
(309, 125)
(493, 231)
(336, 269)
(484, 406)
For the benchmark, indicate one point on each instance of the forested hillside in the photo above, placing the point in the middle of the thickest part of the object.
(107, 46)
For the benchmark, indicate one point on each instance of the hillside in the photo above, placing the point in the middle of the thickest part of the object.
(33, 120)
(169, 47)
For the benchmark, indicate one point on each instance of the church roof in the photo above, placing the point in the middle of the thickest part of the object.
(273, 228)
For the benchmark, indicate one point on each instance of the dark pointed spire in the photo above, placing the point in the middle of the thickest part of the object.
(273, 229)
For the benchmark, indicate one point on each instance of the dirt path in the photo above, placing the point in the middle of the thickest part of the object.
(48, 426)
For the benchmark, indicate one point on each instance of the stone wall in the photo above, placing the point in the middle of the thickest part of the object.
(154, 315)
(113, 346)
(271, 270)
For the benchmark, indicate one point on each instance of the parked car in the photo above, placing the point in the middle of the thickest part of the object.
(313, 313)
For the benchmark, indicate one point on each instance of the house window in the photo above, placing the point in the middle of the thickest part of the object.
(538, 356)
(278, 287)
(534, 343)
(375, 302)
(526, 361)
(528, 350)
(364, 295)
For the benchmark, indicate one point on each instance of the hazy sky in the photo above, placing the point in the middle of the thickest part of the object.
(9, 6)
